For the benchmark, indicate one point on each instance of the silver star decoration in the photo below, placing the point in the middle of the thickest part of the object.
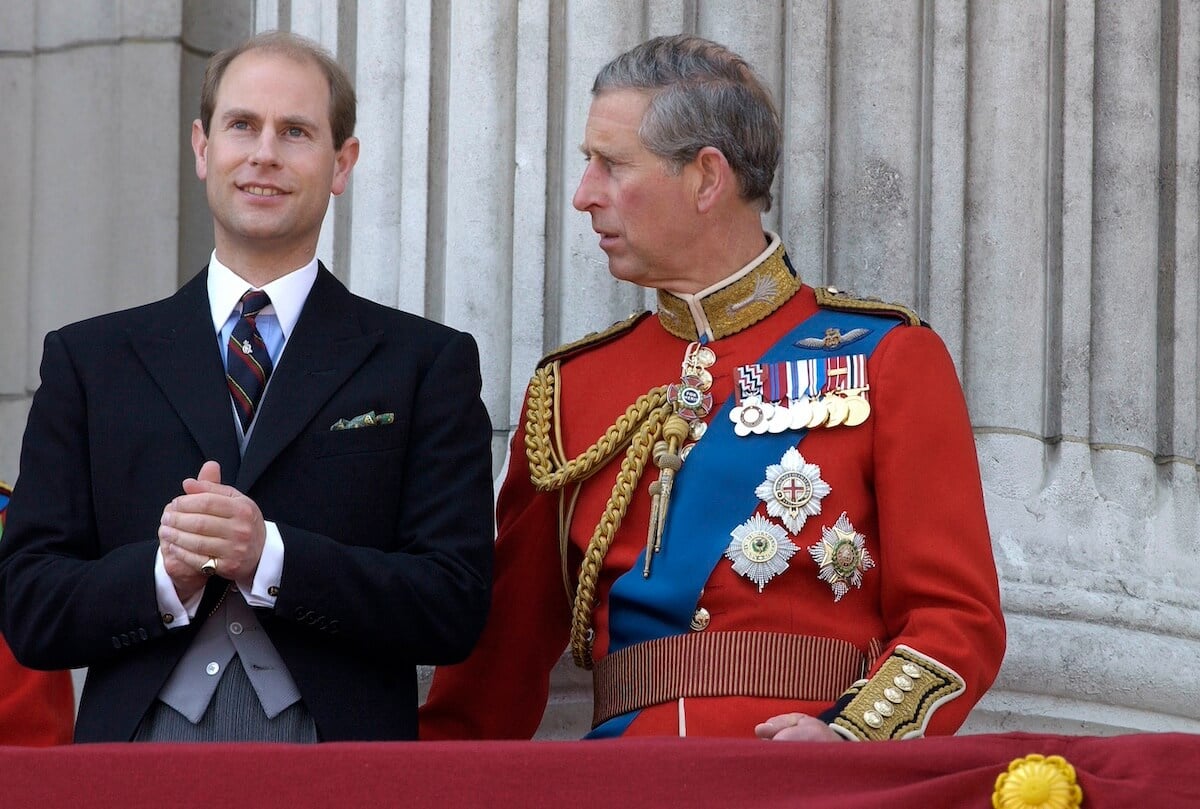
(760, 550)
(793, 490)
(842, 556)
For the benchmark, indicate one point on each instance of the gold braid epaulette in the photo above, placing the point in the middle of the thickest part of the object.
(638, 427)
(593, 339)
(831, 298)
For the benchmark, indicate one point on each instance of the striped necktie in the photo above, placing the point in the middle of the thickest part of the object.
(247, 362)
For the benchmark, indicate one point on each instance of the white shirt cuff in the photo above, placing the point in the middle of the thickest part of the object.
(263, 589)
(174, 612)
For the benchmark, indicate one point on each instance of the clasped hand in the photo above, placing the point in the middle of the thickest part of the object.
(210, 521)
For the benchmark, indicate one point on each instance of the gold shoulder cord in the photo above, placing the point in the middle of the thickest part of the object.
(639, 426)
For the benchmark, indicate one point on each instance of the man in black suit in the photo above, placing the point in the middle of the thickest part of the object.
(234, 563)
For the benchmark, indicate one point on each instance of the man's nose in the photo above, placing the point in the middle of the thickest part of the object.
(266, 148)
(586, 194)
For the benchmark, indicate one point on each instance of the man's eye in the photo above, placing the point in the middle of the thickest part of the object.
(295, 132)
(239, 125)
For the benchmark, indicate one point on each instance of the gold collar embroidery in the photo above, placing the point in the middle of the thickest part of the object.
(733, 304)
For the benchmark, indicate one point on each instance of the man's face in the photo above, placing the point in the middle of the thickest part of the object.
(268, 160)
(646, 216)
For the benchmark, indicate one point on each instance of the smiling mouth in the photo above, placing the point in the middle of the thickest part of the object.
(261, 191)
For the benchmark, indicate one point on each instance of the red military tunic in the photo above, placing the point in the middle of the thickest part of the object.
(907, 479)
(37, 708)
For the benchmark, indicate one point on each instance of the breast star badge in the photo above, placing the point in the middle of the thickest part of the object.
(842, 557)
(793, 490)
(760, 550)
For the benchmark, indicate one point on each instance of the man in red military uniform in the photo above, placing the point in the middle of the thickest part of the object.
(37, 708)
(764, 500)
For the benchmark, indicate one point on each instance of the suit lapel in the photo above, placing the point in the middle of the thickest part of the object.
(179, 349)
(327, 346)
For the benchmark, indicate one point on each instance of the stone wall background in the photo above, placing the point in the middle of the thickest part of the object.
(1026, 174)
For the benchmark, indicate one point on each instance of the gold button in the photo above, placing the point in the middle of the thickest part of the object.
(884, 708)
(873, 719)
(902, 682)
(893, 695)
(168, 617)
(700, 620)
(912, 670)
(272, 591)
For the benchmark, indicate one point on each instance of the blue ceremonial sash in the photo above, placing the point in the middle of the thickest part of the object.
(718, 479)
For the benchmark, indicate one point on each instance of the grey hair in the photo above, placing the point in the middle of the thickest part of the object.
(703, 95)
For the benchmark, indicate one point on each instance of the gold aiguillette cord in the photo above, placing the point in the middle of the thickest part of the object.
(666, 458)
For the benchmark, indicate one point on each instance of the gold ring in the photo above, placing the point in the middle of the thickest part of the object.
(209, 567)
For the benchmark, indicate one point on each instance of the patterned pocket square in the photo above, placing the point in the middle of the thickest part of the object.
(368, 419)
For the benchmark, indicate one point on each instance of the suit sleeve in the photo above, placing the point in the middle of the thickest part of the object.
(63, 602)
(500, 692)
(940, 598)
(422, 595)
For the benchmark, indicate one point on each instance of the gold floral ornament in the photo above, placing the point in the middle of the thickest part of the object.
(1037, 782)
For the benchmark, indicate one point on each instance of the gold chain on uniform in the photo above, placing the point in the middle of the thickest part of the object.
(640, 426)
(745, 301)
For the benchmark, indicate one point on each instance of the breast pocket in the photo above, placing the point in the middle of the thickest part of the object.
(383, 438)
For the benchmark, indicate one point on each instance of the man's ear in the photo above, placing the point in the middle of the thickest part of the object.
(714, 178)
(200, 149)
(344, 162)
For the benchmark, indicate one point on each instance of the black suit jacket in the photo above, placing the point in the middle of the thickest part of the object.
(387, 530)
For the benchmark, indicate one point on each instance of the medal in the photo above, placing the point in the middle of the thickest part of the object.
(842, 557)
(795, 394)
(793, 490)
(838, 410)
(780, 420)
(848, 390)
(819, 413)
(759, 550)
(800, 411)
(858, 408)
(689, 397)
(751, 416)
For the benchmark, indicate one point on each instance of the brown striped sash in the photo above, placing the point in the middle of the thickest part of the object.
(722, 664)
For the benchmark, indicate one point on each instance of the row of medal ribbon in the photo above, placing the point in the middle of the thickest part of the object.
(800, 394)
